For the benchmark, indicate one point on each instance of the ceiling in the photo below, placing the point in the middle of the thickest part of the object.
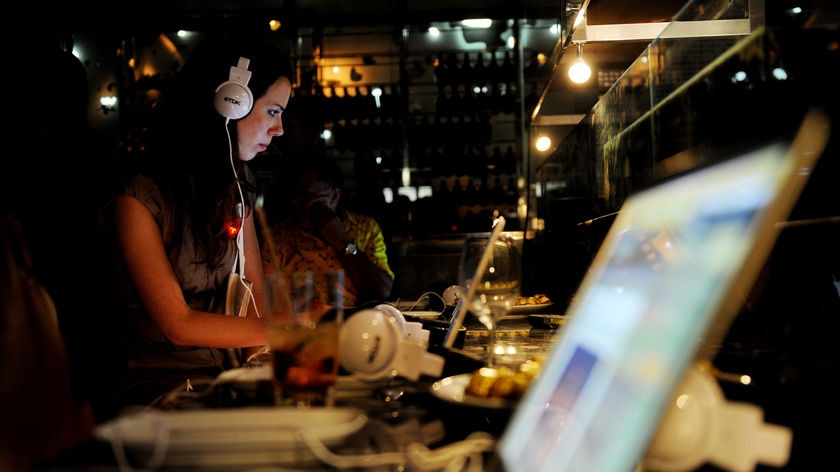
(155, 15)
(563, 103)
(121, 17)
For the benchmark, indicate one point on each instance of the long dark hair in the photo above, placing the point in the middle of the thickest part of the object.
(188, 151)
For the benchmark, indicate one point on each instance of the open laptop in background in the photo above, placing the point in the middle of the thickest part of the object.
(661, 292)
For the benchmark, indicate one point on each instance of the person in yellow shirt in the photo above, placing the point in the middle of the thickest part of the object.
(318, 233)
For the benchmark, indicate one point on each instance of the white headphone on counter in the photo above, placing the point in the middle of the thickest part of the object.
(377, 343)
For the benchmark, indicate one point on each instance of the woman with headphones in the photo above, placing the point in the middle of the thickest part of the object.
(183, 225)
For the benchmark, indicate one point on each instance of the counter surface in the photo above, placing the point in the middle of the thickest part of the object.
(406, 425)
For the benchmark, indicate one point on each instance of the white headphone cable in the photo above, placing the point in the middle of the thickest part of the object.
(240, 255)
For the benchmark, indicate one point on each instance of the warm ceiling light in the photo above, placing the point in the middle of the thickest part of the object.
(275, 25)
(543, 143)
(580, 71)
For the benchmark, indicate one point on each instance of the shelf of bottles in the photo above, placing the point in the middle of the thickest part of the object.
(455, 128)
(439, 121)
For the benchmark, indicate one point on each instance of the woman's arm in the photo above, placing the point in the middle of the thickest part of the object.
(141, 247)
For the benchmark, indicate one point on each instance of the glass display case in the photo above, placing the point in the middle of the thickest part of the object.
(720, 75)
(686, 101)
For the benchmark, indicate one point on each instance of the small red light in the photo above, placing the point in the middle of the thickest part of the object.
(232, 228)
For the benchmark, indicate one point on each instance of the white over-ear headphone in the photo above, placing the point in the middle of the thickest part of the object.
(379, 343)
(233, 99)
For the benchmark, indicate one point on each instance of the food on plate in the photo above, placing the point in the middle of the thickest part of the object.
(503, 382)
(537, 299)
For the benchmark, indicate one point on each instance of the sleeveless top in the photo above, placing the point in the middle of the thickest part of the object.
(141, 344)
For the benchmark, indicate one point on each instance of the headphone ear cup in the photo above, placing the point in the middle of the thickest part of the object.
(369, 343)
(233, 100)
(394, 313)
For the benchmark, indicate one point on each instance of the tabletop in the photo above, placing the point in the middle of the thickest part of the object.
(393, 424)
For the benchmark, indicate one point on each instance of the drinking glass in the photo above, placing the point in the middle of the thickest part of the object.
(496, 285)
(304, 313)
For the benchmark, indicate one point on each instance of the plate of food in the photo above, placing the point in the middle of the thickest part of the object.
(526, 305)
(454, 390)
(488, 387)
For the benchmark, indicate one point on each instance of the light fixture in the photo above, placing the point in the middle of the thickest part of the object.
(480, 23)
(579, 72)
(377, 95)
(108, 104)
(406, 176)
(542, 143)
(483, 30)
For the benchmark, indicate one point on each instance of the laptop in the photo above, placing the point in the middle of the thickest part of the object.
(662, 291)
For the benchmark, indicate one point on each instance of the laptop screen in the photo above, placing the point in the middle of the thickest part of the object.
(662, 291)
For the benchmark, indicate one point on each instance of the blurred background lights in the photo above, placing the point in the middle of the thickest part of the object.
(406, 176)
(477, 23)
(543, 143)
(377, 93)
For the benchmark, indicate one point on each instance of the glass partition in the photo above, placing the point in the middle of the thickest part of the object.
(721, 76)
(721, 71)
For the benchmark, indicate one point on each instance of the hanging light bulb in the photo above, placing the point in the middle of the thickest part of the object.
(579, 72)
(543, 143)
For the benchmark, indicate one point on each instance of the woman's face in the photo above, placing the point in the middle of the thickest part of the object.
(256, 130)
